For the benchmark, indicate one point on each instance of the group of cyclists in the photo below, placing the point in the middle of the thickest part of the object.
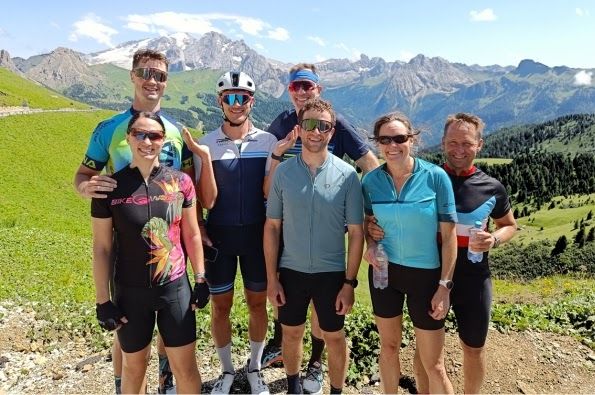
(280, 203)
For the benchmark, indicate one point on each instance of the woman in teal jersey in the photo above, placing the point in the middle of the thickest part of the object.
(411, 199)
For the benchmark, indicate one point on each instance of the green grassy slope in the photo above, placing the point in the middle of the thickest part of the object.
(18, 91)
(45, 233)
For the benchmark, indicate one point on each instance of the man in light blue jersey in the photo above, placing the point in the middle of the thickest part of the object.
(313, 196)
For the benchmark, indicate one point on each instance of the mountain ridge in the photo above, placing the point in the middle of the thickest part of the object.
(425, 88)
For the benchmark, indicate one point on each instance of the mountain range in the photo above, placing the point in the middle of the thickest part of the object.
(426, 89)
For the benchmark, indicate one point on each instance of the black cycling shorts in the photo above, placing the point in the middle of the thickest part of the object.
(419, 285)
(169, 304)
(320, 288)
(471, 299)
(233, 243)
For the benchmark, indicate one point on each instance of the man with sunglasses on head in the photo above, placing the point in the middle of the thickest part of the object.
(312, 197)
(243, 159)
(109, 151)
(304, 84)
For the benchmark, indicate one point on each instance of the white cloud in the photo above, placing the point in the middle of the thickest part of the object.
(320, 58)
(202, 23)
(581, 12)
(354, 53)
(486, 15)
(4, 33)
(278, 34)
(317, 40)
(259, 46)
(583, 77)
(55, 25)
(91, 26)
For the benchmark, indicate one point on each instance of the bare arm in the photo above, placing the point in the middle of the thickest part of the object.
(280, 149)
(441, 299)
(192, 240)
(368, 162)
(355, 246)
(371, 240)
(102, 257)
(272, 235)
(206, 187)
(90, 184)
(506, 228)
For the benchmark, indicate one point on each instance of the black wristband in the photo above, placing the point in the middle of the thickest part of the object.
(277, 157)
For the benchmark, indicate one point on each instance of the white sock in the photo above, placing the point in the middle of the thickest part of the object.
(225, 358)
(256, 349)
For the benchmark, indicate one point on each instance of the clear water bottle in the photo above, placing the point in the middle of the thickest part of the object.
(474, 256)
(381, 273)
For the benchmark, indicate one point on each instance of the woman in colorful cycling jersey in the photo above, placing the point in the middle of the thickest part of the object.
(143, 222)
(410, 199)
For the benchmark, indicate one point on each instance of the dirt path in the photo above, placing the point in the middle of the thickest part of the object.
(518, 362)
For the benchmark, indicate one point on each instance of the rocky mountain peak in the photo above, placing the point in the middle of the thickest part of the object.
(6, 62)
(62, 68)
(529, 66)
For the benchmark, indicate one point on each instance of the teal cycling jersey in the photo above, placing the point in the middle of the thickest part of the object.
(410, 218)
(109, 149)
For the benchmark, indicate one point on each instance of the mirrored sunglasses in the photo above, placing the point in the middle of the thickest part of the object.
(231, 98)
(399, 139)
(146, 73)
(153, 135)
(305, 85)
(311, 124)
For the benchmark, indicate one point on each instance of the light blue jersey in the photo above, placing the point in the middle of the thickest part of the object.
(410, 219)
(109, 149)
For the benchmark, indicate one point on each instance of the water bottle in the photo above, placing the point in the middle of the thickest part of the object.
(474, 256)
(381, 273)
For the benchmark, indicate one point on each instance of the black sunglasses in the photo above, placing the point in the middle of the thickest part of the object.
(386, 140)
(146, 73)
(311, 124)
(141, 135)
(231, 98)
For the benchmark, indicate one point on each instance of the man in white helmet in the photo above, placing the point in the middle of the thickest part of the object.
(244, 159)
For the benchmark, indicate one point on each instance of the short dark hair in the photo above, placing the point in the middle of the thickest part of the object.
(465, 119)
(394, 116)
(148, 54)
(317, 104)
(303, 66)
(144, 114)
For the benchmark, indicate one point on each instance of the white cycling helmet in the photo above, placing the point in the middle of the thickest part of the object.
(235, 80)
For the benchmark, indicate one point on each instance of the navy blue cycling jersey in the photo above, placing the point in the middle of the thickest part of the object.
(239, 174)
(146, 218)
(346, 140)
(477, 197)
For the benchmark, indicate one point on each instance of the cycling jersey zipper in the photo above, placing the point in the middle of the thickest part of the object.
(150, 230)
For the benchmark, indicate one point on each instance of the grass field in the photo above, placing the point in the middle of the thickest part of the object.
(20, 92)
(552, 223)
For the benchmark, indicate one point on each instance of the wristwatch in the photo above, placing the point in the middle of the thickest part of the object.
(353, 282)
(497, 241)
(448, 284)
(277, 157)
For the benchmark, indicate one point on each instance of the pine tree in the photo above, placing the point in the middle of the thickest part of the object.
(560, 246)
(579, 239)
(591, 235)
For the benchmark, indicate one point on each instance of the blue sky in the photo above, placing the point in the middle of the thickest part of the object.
(481, 32)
